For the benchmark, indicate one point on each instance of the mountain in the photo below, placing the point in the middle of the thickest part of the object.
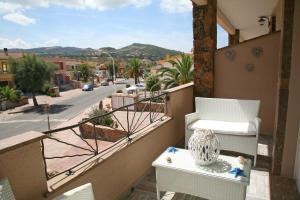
(147, 51)
(135, 50)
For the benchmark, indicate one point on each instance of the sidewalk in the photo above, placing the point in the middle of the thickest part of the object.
(42, 100)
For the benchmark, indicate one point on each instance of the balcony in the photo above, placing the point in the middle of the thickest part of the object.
(121, 170)
(6, 77)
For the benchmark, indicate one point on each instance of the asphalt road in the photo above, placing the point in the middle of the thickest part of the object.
(36, 120)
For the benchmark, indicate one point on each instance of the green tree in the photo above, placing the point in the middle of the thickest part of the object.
(85, 71)
(134, 68)
(180, 73)
(31, 73)
(153, 83)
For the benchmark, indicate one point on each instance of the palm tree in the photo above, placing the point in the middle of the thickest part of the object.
(153, 83)
(134, 69)
(180, 73)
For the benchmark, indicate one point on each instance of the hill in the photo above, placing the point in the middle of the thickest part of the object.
(136, 50)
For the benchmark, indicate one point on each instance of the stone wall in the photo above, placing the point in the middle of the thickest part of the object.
(6, 104)
(103, 132)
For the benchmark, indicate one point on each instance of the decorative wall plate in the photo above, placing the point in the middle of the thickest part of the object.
(257, 52)
(230, 55)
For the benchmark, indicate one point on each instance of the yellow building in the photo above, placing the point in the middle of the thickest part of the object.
(6, 77)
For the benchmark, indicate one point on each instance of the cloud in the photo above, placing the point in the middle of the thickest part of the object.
(78, 4)
(16, 43)
(13, 10)
(100, 4)
(176, 6)
(6, 7)
(19, 19)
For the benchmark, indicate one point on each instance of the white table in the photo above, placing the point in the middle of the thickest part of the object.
(213, 182)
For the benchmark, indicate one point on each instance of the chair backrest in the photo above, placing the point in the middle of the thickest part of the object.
(233, 110)
(82, 192)
(5, 190)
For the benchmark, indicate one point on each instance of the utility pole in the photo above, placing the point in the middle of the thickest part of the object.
(47, 111)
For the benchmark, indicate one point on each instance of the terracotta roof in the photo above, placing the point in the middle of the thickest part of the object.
(13, 55)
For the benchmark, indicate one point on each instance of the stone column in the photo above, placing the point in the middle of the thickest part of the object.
(205, 40)
(234, 39)
(283, 86)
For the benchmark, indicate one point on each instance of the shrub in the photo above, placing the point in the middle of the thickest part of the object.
(10, 94)
(46, 88)
(119, 91)
(153, 83)
(104, 121)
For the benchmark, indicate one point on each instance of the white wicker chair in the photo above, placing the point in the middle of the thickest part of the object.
(234, 121)
(82, 192)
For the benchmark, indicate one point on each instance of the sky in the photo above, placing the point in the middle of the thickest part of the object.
(98, 23)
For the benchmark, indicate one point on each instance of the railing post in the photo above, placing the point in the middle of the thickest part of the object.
(95, 137)
(150, 110)
(128, 127)
(167, 98)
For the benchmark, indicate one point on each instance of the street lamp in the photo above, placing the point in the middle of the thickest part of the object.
(100, 51)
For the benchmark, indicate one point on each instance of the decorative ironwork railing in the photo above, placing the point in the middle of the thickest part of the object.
(65, 149)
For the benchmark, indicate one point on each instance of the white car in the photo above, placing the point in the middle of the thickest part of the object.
(136, 88)
(120, 81)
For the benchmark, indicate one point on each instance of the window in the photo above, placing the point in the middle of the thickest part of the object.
(4, 67)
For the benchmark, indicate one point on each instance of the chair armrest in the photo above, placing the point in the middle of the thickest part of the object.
(190, 118)
(257, 122)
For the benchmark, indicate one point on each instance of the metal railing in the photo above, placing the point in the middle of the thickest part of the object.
(65, 149)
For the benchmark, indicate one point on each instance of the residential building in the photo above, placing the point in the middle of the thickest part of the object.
(6, 77)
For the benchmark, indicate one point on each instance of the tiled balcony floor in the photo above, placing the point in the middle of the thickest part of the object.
(263, 186)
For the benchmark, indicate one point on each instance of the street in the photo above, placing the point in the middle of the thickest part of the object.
(36, 119)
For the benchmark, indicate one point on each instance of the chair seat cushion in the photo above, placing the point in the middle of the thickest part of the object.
(222, 127)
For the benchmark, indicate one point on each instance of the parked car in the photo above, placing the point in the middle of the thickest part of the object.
(104, 83)
(120, 81)
(140, 86)
(136, 88)
(87, 87)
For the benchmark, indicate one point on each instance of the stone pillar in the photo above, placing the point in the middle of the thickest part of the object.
(205, 40)
(234, 39)
(283, 86)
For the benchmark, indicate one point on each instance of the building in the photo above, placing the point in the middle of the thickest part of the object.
(165, 63)
(6, 77)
